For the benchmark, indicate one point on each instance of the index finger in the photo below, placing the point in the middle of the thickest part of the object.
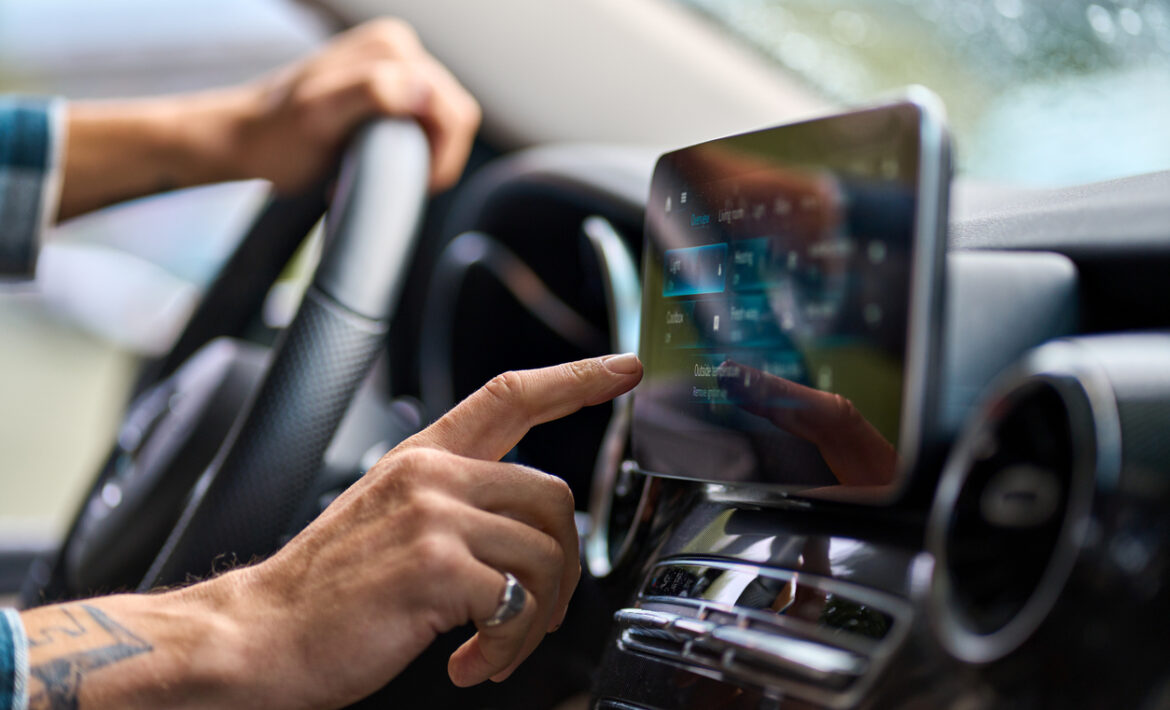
(495, 417)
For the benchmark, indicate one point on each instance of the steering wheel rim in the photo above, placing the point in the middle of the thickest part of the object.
(254, 492)
(247, 500)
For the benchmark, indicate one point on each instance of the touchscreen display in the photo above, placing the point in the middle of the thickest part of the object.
(777, 289)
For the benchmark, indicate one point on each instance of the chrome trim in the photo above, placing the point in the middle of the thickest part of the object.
(835, 672)
(927, 287)
(623, 299)
(897, 608)
(815, 661)
(693, 627)
(619, 279)
(780, 623)
(597, 545)
(643, 618)
(611, 704)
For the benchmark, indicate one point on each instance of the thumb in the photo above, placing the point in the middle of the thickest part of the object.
(495, 417)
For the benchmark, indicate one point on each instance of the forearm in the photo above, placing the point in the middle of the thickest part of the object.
(181, 649)
(117, 150)
(287, 127)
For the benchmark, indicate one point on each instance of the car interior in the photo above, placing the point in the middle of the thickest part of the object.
(903, 437)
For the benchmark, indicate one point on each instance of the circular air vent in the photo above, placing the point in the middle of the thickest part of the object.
(1014, 503)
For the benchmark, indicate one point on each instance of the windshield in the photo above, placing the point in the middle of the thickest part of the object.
(1041, 93)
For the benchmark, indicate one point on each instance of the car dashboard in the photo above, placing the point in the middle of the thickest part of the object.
(1022, 564)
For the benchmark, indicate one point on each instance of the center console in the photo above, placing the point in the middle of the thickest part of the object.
(792, 295)
(863, 470)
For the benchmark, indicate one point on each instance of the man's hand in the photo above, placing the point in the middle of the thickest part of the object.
(286, 127)
(300, 116)
(418, 546)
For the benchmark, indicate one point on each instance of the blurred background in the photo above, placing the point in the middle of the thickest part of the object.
(115, 286)
(1039, 94)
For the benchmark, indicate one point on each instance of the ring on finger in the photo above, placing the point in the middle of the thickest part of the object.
(512, 601)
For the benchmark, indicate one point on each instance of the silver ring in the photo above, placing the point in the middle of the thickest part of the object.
(511, 601)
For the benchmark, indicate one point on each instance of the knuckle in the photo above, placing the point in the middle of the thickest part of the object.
(470, 115)
(438, 556)
(429, 509)
(549, 555)
(507, 388)
(582, 369)
(391, 473)
(562, 495)
(844, 409)
(419, 511)
(400, 473)
(382, 80)
(392, 31)
(474, 111)
(420, 461)
(371, 86)
(582, 372)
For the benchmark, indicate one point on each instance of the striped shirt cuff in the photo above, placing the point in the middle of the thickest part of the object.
(31, 144)
(13, 662)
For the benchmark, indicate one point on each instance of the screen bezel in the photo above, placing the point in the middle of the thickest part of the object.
(918, 432)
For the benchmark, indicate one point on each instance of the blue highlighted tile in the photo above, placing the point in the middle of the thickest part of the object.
(696, 270)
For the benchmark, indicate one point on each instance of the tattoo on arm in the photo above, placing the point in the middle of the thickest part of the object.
(60, 677)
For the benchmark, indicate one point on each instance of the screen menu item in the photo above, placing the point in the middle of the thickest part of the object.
(779, 276)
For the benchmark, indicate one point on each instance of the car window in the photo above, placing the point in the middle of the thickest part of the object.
(1037, 92)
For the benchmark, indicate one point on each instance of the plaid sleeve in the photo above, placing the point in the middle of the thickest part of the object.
(30, 145)
(13, 662)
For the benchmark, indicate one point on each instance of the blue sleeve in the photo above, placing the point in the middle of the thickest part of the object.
(13, 662)
(30, 144)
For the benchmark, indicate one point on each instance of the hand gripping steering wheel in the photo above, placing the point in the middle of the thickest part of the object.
(246, 501)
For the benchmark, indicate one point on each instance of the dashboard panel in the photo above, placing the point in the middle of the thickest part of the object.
(716, 594)
(981, 588)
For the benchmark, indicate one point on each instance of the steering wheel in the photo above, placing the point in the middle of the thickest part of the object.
(159, 512)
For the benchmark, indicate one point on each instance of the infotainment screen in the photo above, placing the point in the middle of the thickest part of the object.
(790, 302)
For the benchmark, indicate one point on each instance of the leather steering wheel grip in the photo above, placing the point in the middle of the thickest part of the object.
(248, 498)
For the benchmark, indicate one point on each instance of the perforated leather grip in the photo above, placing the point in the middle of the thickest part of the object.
(248, 497)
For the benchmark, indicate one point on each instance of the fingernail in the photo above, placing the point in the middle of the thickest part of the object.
(624, 364)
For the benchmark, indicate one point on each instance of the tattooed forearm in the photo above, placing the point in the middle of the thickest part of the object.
(89, 640)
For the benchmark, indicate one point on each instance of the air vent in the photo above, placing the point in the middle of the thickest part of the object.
(1012, 507)
(1014, 502)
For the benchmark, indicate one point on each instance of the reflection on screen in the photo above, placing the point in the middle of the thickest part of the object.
(776, 301)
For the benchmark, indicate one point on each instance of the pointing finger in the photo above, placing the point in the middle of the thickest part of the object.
(493, 419)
